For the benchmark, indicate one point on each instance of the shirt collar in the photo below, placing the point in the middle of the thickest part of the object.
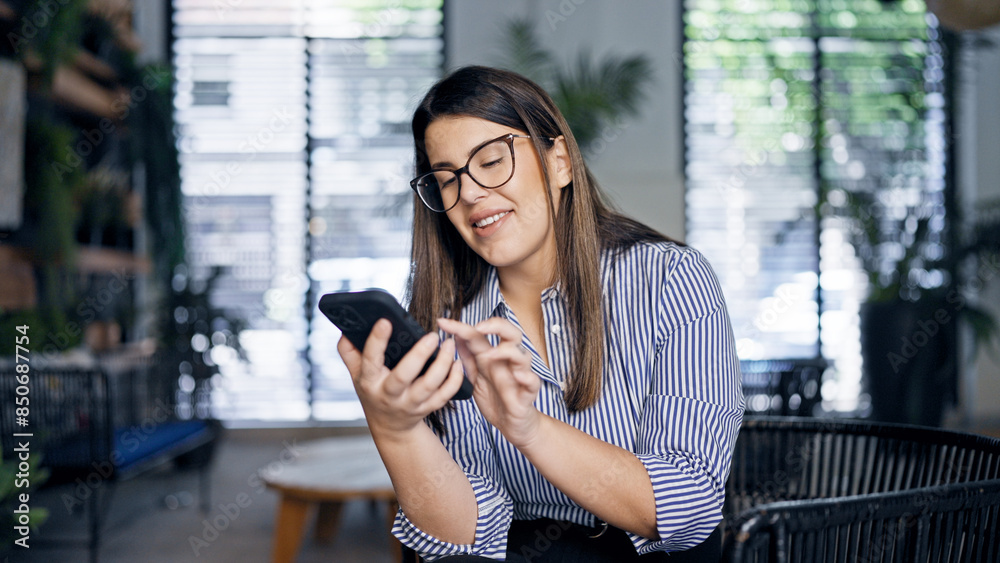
(494, 301)
(490, 301)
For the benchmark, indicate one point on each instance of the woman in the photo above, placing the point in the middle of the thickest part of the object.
(607, 389)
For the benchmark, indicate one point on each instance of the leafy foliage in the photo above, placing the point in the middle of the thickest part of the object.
(891, 246)
(592, 94)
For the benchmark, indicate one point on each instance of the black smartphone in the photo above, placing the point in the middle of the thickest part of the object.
(356, 312)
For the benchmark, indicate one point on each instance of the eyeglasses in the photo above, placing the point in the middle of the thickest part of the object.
(490, 166)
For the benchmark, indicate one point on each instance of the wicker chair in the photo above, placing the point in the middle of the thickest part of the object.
(783, 387)
(835, 490)
(95, 426)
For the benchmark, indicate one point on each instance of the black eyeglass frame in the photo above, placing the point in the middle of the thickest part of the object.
(508, 138)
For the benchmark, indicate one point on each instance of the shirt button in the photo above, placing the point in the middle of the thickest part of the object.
(556, 329)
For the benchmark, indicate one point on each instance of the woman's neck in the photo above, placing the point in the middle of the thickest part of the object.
(523, 283)
(522, 291)
(525, 288)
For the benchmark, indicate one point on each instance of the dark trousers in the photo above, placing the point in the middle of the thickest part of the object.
(554, 541)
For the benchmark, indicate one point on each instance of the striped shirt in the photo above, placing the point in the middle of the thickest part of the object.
(671, 395)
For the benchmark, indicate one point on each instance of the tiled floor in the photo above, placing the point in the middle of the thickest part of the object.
(155, 518)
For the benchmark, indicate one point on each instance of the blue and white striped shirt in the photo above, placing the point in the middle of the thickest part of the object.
(671, 395)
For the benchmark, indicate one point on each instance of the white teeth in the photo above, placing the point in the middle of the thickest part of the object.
(491, 220)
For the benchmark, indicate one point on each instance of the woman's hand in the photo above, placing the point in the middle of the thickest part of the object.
(396, 401)
(505, 386)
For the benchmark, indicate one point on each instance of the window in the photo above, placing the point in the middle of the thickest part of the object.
(786, 100)
(295, 157)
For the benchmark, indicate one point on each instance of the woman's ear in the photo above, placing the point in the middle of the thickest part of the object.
(560, 164)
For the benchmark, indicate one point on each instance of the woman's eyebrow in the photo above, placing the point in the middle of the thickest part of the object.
(446, 164)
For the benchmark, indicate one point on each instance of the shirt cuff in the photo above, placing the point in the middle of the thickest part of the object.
(492, 525)
(687, 506)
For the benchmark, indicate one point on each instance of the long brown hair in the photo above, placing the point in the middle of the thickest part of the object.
(446, 274)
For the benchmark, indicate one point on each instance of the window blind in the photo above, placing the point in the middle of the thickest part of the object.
(791, 105)
(295, 156)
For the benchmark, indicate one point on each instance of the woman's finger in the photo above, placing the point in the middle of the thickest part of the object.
(378, 339)
(514, 356)
(350, 355)
(436, 373)
(467, 359)
(446, 391)
(500, 327)
(475, 341)
(408, 368)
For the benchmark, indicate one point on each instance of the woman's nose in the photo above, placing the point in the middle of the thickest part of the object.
(471, 192)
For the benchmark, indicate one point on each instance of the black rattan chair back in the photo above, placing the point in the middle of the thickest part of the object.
(835, 490)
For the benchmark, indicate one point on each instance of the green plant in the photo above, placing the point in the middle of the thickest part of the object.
(9, 320)
(592, 94)
(49, 35)
(193, 326)
(102, 202)
(155, 145)
(50, 221)
(890, 241)
(901, 275)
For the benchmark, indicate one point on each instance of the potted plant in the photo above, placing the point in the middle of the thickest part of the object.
(592, 96)
(915, 304)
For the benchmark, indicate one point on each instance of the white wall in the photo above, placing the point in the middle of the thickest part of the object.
(148, 20)
(979, 158)
(986, 67)
(641, 165)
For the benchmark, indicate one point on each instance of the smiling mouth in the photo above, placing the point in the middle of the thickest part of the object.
(490, 220)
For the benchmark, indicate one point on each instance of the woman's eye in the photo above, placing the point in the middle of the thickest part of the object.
(492, 163)
(448, 183)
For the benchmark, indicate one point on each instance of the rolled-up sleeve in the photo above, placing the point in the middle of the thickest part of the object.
(692, 414)
(468, 440)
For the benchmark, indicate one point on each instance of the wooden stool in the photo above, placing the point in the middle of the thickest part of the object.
(327, 473)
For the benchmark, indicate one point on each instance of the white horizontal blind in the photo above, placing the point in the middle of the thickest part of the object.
(786, 100)
(295, 147)
(368, 69)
